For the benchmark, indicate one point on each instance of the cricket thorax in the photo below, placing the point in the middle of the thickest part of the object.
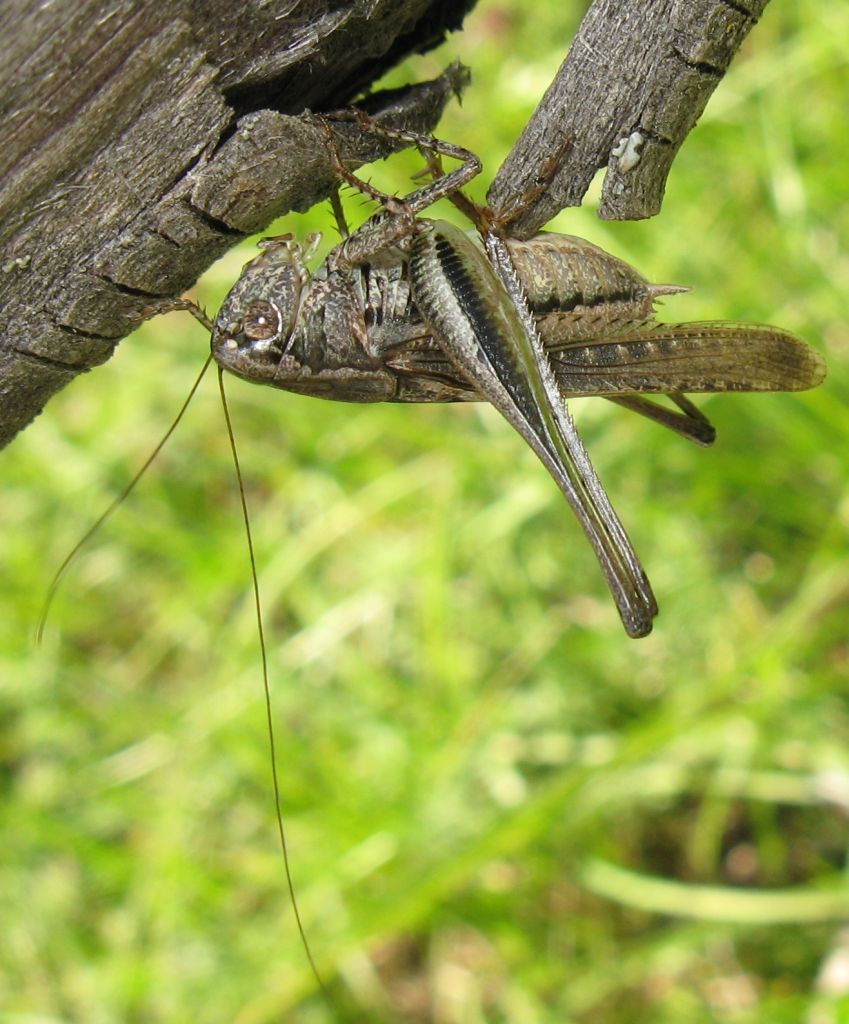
(313, 335)
(354, 336)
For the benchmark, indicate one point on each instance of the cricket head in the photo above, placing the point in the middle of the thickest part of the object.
(256, 323)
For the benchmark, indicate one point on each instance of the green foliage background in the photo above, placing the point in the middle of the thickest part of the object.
(499, 808)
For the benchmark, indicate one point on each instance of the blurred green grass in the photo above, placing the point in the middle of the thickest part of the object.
(499, 808)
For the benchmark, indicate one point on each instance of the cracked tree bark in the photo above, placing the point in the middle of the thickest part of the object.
(139, 141)
(636, 81)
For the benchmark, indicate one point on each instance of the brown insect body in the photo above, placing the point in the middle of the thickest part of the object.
(358, 336)
(408, 309)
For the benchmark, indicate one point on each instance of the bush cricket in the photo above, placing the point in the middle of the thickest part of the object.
(408, 309)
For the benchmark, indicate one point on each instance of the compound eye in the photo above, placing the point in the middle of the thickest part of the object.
(261, 321)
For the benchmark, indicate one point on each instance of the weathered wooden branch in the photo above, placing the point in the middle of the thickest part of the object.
(139, 141)
(636, 80)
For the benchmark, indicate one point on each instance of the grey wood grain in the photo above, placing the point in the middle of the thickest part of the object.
(635, 81)
(140, 140)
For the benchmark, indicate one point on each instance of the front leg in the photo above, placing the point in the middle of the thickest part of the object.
(397, 219)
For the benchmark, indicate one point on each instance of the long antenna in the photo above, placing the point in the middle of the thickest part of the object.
(267, 690)
(101, 519)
